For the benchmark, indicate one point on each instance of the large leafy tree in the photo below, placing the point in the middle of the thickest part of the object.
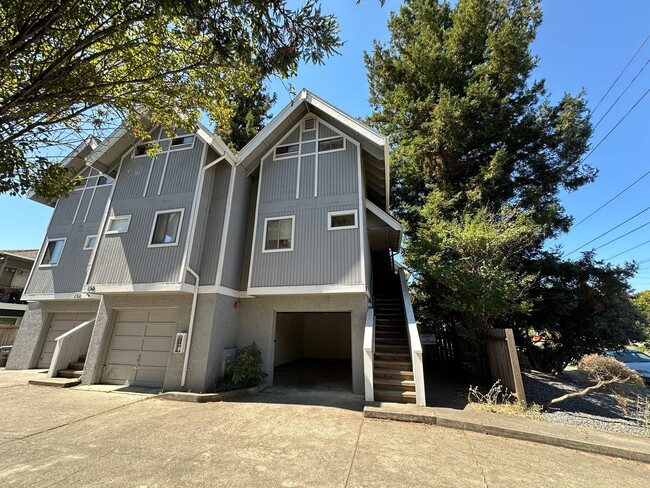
(74, 66)
(473, 134)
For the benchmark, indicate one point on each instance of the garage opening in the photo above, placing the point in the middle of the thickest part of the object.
(313, 351)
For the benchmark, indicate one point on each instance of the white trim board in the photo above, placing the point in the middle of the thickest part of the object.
(306, 290)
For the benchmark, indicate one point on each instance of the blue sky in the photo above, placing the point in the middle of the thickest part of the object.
(581, 44)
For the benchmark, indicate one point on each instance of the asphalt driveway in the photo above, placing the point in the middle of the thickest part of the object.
(54, 437)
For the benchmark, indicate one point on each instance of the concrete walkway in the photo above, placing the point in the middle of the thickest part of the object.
(597, 441)
(73, 437)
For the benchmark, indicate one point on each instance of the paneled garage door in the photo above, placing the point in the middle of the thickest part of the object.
(60, 324)
(140, 347)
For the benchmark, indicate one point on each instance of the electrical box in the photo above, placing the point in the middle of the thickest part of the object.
(229, 355)
(180, 342)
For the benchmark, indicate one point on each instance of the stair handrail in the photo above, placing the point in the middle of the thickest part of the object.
(369, 354)
(60, 345)
(414, 342)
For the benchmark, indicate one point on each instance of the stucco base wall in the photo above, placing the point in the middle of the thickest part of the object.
(215, 328)
(34, 328)
(107, 313)
(257, 318)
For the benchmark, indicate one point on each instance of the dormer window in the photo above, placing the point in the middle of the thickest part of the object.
(287, 151)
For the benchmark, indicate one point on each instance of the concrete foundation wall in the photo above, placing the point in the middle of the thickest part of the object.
(35, 325)
(257, 319)
(289, 338)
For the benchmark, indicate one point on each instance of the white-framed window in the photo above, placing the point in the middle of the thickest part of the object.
(104, 180)
(119, 224)
(278, 234)
(331, 144)
(90, 242)
(182, 142)
(53, 251)
(309, 124)
(287, 151)
(166, 228)
(344, 219)
(141, 149)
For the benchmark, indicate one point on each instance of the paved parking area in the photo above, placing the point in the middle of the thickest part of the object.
(75, 437)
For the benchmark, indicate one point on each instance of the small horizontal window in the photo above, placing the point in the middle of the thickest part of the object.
(342, 220)
(310, 124)
(330, 144)
(104, 180)
(141, 149)
(182, 141)
(166, 228)
(90, 243)
(279, 234)
(119, 224)
(53, 251)
(287, 150)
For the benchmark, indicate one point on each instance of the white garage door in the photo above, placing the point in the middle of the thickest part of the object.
(140, 347)
(60, 324)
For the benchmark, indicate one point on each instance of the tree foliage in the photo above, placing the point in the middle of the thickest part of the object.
(76, 66)
(480, 155)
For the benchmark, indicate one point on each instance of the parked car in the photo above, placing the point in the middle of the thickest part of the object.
(636, 360)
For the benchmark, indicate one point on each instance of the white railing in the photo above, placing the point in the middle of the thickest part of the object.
(369, 354)
(70, 346)
(414, 342)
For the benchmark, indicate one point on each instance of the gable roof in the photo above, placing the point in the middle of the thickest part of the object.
(374, 145)
(27, 254)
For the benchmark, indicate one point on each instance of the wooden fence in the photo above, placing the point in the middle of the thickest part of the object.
(7, 334)
(504, 363)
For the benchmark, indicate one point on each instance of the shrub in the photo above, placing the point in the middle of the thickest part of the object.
(499, 400)
(245, 371)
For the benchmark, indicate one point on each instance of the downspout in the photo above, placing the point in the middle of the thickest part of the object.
(186, 360)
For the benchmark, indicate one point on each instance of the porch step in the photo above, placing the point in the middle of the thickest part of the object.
(69, 373)
(392, 355)
(77, 366)
(385, 383)
(393, 373)
(406, 365)
(391, 348)
(395, 396)
(391, 341)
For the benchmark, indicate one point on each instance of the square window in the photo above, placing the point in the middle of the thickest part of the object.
(278, 234)
(330, 144)
(119, 224)
(346, 219)
(53, 251)
(90, 243)
(166, 228)
(310, 124)
(289, 150)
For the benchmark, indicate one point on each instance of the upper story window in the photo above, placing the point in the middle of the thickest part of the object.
(166, 228)
(346, 219)
(104, 180)
(278, 234)
(120, 224)
(89, 243)
(182, 142)
(287, 151)
(53, 251)
(331, 144)
(141, 149)
(310, 124)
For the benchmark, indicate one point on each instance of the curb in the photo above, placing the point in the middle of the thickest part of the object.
(433, 416)
(184, 396)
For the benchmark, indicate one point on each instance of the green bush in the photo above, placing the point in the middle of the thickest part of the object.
(245, 371)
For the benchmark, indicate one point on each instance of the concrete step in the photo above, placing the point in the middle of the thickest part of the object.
(78, 366)
(69, 373)
(395, 396)
(56, 382)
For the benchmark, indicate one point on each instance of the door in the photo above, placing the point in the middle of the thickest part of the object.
(140, 347)
(60, 324)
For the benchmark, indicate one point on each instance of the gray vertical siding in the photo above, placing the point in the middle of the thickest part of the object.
(65, 209)
(293, 137)
(125, 258)
(320, 256)
(248, 242)
(214, 223)
(324, 131)
(237, 227)
(201, 220)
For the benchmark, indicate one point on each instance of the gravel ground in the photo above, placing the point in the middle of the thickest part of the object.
(598, 410)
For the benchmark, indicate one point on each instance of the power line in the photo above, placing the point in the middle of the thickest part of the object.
(623, 235)
(621, 73)
(628, 250)
(622, 93)
(612, 199)
(610, 230)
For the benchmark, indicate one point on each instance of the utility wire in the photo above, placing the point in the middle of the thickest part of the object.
(628, 250)
(610, 230)
(623, 235)
(622, 93)
(621, 73)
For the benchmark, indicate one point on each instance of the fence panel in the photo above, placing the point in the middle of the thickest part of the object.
(504, 363)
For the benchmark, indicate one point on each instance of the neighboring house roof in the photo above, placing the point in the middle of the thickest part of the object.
(374, 144)
(27, 254)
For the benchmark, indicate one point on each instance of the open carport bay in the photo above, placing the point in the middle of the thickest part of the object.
(313, 350)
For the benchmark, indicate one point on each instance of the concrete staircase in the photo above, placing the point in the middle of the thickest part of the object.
(393, 369)
(74, 370)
